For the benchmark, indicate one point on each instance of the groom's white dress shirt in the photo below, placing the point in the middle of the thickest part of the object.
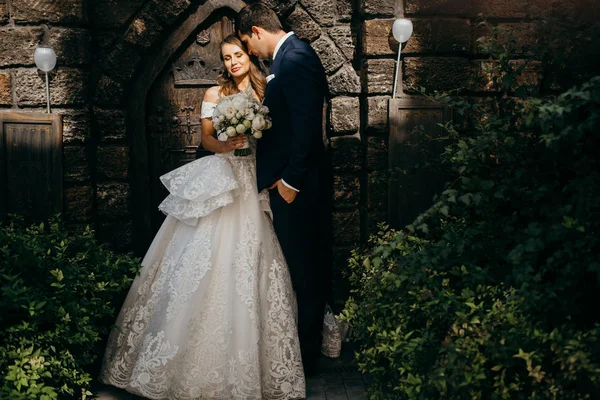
(277, 47)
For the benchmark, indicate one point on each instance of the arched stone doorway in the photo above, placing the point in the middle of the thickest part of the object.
(163, 106)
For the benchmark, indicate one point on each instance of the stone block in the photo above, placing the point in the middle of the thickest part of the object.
(346, 153)
(344, 81)
(437, 73)
(5, 89)
(17, 45)
(281, 7)
(108, 92)
(583, 11)
(482, 80)
(75, 164)
(113, 199)
(483, 73)
(143, 31)
(377, 190)
(110, 125)
(107, 39)
(345, 115)
(378, 76)
(532, 75)
(377, 114)
(346, 191)
(53, 11)
(167, 12)
(79, 203)
(377, 153)
(330, 56)
(3, 12)
(344, 39)
(439, 35)
(72, 46)
(303, 25)
(346, 227)
(500, 8)
(438, 7)
(344, 10)
(323, 11)
(113, 162)
(68, 86)
(76, 125)
(377, 38)
(387, 8)
(123, 60)
(107, 15)
(524, 35)
(117, 234)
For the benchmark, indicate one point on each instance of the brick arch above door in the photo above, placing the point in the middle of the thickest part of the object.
(153, 50)
(133, 53)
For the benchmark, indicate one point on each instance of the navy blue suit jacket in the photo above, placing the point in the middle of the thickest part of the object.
(293, 148)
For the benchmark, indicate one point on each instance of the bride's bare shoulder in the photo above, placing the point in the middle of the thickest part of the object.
(212, 94)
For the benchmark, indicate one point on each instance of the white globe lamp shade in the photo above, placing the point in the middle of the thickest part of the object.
(45, 58)
(402, 29)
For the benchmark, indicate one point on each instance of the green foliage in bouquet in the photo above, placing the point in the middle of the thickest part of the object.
(59, 293)
(492, 293)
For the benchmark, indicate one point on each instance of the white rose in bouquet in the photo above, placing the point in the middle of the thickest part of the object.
(230, 131)
(240, 103)
(229, 112)
(240, 128)
(258, 123)
(257, 134)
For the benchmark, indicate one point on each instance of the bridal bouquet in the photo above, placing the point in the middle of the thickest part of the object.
(241, 114)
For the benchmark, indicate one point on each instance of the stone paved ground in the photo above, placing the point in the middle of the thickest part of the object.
(337, 379)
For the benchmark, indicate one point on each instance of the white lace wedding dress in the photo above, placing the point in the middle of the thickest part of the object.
(212, 314)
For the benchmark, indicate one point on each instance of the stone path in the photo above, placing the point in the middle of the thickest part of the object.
(337, 379)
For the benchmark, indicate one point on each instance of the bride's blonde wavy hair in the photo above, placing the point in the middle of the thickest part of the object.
(257, 75)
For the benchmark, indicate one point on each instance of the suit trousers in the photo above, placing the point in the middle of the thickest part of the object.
(302, 230)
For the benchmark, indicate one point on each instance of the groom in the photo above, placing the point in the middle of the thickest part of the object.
(291, 161)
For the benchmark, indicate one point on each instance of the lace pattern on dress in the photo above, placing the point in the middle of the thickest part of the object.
(198, 188)
(202, 321)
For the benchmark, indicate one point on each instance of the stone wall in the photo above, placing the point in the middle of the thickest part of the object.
(443, 54)
(64, 25)
(100, 44)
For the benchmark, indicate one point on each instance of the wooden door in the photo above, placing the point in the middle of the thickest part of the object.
(412, 193)
(30, 164)
(174, 102)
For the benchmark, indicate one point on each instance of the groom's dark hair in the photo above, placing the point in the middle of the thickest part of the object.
(257, 14)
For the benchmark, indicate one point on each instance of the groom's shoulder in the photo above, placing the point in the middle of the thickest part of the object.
(299, 52)
(299, 46)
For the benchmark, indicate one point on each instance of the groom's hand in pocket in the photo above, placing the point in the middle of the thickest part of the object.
(289, 195)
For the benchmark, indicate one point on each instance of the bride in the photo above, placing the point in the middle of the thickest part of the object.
(212, 314)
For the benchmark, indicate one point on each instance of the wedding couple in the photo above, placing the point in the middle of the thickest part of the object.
(229, 302)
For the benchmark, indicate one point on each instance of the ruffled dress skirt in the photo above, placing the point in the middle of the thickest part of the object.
(212, 314)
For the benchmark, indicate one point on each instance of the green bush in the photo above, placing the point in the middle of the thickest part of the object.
(492, 293)
(57, 305)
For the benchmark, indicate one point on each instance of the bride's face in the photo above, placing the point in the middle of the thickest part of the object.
(236, 60)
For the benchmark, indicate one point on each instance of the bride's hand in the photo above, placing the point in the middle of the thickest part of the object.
(234, 142)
